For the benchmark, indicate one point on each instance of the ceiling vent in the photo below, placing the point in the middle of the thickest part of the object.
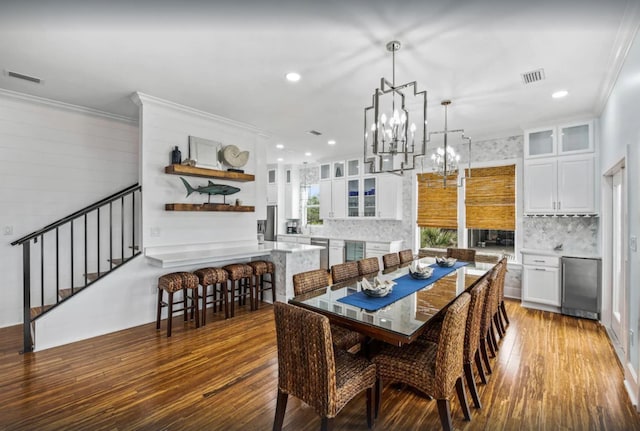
(24, 77)
(533, 76)
(315, 132)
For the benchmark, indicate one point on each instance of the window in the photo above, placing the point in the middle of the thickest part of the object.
(437, 211)
(311, 200)
(490, 209)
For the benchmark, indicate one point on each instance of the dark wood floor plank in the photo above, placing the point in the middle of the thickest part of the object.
(552, 372)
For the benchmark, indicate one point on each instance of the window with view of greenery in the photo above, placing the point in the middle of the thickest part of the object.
(438, 238)
(312, 205)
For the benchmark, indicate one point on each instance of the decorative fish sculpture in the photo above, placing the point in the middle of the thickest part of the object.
(211, 189)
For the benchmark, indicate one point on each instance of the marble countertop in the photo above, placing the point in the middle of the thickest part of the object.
(177, 257)
(559, 253)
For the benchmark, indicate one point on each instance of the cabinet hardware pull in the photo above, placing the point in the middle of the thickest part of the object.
(540, 269)
(538, 260)
(554, 205)
(558, 205)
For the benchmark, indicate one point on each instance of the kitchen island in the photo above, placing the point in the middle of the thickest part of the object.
(288, 259)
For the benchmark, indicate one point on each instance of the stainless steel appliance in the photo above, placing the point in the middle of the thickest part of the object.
(581, 287)
(271, 225)
(324, 254)
(353, 250)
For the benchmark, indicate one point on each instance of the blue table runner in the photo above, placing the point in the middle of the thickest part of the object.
(405, 286)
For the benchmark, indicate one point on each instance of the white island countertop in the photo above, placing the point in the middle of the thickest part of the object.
(177, 257)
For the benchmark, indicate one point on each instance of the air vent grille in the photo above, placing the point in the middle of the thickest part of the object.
(24, 77)
(315, 132)
(533, 76)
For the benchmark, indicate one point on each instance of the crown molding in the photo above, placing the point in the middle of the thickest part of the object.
(141, 99)
(66, 106)
(627, 32)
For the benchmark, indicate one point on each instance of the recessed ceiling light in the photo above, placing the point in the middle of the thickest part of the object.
(293, 77)
(307, 154)
(331, 142)
(279, 146)
(560, 94)
(280, 159)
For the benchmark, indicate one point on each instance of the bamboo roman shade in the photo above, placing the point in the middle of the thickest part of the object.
(437, 206)
(491, 198)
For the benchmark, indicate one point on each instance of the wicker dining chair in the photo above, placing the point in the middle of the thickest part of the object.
(311, 370)
(406, 257)
(368, 267)
(501, 308)
(487, 336)
(464, 254)
(344, 272)
(390, 260)
(308, 281)
(434, 369)
(471, 338)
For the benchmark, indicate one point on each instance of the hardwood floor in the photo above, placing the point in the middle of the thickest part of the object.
(552, 372)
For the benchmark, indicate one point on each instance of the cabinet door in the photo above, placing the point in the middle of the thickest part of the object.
(370, 193)
(390, 197)
(541, 285)
(540, 142)
(353, 168)
(576, 184)
(325, 171)
(339, 198)
(575, 138)
(338, 170)
(353, 198)
(540, 186)
(291, 202)
(326, 200)
(272, 194)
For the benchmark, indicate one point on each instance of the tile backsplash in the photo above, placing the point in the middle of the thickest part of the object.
(576, 234)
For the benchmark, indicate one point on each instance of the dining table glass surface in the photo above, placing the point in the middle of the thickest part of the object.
(403, 320)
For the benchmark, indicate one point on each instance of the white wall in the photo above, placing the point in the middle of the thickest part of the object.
(164, 125)
(56, 159)
(128, 296)
(620, 138)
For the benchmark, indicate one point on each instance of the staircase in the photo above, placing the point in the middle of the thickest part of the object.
(62, 259)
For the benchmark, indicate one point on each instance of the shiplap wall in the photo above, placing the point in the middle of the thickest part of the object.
(56, 159)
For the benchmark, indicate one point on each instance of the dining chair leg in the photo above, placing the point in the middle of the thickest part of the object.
(490, 344)
(504, 312)
(444, 409)
(370, 407)
(281, 406)
(485, 355)
(498, 324)
(327, 424)
(483, 377)
(494, 339)
(471, 382)
(378, 397)
(462, 397)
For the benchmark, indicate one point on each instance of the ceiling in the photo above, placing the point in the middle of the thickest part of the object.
(230, 58)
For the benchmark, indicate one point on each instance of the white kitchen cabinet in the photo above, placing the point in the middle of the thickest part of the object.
(325, 171)
(559, 140)
(291, 201)
(336, 252)
(389, 197)
(272, 194)
(294, 239)
(560, 185)
(541, 282)
(332, 199)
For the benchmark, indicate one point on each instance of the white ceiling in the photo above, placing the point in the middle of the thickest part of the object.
(229, 58)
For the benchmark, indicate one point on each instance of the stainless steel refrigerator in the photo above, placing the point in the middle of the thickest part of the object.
(581, 287)
(271, 225)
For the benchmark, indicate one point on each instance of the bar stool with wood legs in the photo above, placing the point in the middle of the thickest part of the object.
(217, 279)
(260, 269)
(240, 278)
(172, 283)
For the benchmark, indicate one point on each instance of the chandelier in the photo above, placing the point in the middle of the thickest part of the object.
(445, 160)
(395, 124)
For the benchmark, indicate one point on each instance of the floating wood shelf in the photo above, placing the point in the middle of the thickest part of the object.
(194, 171)
(209, 207)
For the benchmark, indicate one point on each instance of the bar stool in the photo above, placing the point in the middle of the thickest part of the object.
(172, 283)
(240, 282)
(260, 269)
(217, 279)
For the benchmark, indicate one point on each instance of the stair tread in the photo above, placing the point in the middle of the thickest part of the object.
(36, 311)
(65, 293)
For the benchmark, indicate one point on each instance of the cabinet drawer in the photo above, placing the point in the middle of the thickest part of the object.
(378, 246)
(537, 260)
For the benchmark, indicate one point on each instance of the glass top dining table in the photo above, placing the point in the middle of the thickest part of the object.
(402, 321)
